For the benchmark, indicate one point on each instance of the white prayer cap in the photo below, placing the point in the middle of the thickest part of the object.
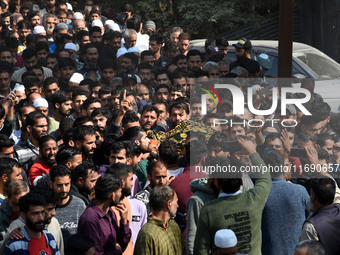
(70, 46)
(40, 102)
(76, 78)
(77, 15)
(133, 49)
(114, 27)
(109, 22)
(97, 23)
(69, 6)
(38, 30)
(225, 238)
(19, 87)
(121, 51)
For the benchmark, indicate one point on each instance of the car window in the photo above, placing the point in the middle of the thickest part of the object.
(318, 63)
(270, 62)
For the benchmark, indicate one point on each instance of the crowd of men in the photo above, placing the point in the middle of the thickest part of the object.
(102, 132)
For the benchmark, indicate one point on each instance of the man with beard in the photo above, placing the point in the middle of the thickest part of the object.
(90, 55)
(69, 208)
(127, 63)
(161, 235)
(62, 104)
(243, 48)
(47, 155)
(27, 151)
(79, 96)
(99, 222)
(10, 171)
(157, 175)
(84, 138)
(138, 136)
(100, 118)
(148, 119)
(125, 173)
(51, 223)
(37, 240)
(194, 61)
(84, 178)
(30, 60)
(66, 67)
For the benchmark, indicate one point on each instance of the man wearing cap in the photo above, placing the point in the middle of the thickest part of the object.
(71, 48)
(150, 27)
(39, 30)
(60, 29)
(225, 242)
(41, 104)
(242, 48)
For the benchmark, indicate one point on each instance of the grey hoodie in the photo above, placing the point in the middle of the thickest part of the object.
(201, 195)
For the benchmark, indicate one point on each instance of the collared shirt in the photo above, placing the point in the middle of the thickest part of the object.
(229, 194)
(154, 238)
(26, 152)
(103, 230)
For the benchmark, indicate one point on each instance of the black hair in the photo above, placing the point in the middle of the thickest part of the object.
(65, 154)
(156, 37)
(81, 121)
(162, 86)
(79, 92)
(5, 142)
(133, 133)
(133, 57)
(311, 247)
(163, 71)
(81, 34)
(180, 105)
(32, 118)
(144, 65)
(218, 139)
(29, 53)
(59, 171)
(82, 170)
(45, 139)
(160, 196)
(146, 53)
(110, 35)
(101, 111)
(81, 131)
(7, 165)
(107, 63)
(195, 151)
(31, 199)
(193, 53)
(274, 159)
(119, 170)
(104, 91)
(129, 117)
(90, 100)
(222, 41)
(64, 62)
(150, 108)
(105, 185)
(324, 189)
(2, 111)
(11, 42)
(94, 30)
(78, 245)
(305, 137)
(168, 152)
(60, 97)
(31, 81)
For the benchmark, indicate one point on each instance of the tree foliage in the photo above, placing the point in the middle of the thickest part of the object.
(205, 18)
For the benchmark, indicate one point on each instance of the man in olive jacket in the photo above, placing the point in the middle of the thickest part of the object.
(240, 212)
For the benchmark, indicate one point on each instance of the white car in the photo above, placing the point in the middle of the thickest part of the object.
(307, 62)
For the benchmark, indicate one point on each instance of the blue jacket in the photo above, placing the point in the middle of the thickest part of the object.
(20, 247)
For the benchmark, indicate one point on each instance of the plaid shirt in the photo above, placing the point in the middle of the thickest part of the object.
(26, 152)
(154, 238)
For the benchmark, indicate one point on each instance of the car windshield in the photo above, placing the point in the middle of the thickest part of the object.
(322, 66)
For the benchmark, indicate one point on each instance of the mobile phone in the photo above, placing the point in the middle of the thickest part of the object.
(231, 147)
(298, 152)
